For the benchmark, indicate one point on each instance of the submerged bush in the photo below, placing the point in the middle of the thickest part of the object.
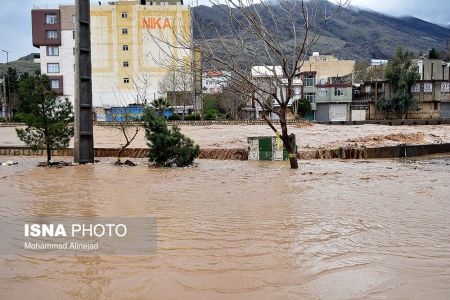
(168, 147)
(192, 117)
(174, 117)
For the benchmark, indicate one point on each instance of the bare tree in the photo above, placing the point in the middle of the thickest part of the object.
(233, 99)
(275, 34)
(125, 122)
(176, 86)
(129, 129)
(363, 71)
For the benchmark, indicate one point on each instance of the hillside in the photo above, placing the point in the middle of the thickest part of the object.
(24, 64)
(353, 34)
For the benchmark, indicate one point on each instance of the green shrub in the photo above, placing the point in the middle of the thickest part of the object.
(19, 118)
(210, 104)
(303, 107)
(168, 147)
(174, 117)
(192, 117)
(211, 115)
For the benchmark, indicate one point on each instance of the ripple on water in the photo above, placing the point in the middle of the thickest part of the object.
(330, 230)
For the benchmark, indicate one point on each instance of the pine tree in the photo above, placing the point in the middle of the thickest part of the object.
(303, 107)
(402, 75)
(48, 119)
(433, 54)
(168, 147)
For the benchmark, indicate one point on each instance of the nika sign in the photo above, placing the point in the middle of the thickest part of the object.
(156, 23)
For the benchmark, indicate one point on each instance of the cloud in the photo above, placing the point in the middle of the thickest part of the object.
(15, 28)
(435, 11)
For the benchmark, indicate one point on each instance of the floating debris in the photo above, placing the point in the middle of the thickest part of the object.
(55, 164)
(9, 163)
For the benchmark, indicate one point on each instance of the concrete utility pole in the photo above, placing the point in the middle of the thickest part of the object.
(84, 133)
(6, 103)
(5, 106)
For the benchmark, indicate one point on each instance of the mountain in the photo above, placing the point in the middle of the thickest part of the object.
(352, 34)
(29, 57)
(24, 64)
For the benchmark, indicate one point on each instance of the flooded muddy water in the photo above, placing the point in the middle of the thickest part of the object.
(244, 230)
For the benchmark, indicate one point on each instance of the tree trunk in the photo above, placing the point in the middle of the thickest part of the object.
(46, 134)
(49, 154)
(254, 106)
(288, 141)
(119, 154)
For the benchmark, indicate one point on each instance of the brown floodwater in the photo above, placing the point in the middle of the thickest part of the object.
(244, 230)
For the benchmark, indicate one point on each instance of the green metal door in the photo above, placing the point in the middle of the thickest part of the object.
(265, 148)
(309, 116)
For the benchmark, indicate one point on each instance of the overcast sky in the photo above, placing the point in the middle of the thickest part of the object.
(15, 18)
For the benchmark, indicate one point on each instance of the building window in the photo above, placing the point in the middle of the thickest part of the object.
(339, 92)
(74, 19)
(311, 97)
(53, 68)
(52, 51)
(54, 84)
(51, 19)
(124, 30)
(323, 92)
(51, 34)
(125, 64)
(125, 47)
(73, 50)
(310, 80)
(428, 87)
(436, 105)
(124, 14)
(73, 34)
(126, 80)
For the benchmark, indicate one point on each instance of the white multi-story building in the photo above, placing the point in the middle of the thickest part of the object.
(213, 82)
(270, 78)
(127, 61)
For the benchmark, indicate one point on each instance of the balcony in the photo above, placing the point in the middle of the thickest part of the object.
(368, 97)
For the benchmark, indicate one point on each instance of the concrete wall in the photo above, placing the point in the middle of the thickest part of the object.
(67, 17)
(332, 67)
(350, 152)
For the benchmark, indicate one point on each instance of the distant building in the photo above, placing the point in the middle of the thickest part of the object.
(123, 50)
(432, 92)
(433, 69)
(378, 62)
(213, 82)
(271, 78)
(328, 86)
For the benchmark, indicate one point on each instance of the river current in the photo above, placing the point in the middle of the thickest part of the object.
(333, 229)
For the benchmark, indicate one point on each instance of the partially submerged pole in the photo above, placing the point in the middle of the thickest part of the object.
(84, 136)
